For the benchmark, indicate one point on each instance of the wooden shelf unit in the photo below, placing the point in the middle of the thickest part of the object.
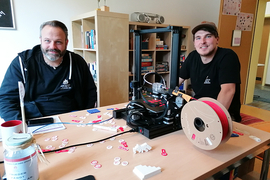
(158, 55)
(110, 53)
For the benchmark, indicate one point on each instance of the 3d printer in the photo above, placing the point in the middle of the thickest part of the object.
(153, 119)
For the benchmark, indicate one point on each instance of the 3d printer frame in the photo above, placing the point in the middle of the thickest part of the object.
(175, 55)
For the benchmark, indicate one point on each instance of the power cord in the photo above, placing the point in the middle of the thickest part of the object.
(81, 144)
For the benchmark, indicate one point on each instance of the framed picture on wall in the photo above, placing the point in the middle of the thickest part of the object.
(7, 15)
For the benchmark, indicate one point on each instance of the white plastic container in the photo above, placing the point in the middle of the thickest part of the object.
(20, 158)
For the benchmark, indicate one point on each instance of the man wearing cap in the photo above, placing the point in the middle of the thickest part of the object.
(213, 71)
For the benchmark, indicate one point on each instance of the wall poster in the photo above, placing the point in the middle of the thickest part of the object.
(232, 7)
(244, 22)
(6, 14)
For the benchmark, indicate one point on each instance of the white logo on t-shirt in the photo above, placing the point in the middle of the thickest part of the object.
(207, 81)
(65, 85)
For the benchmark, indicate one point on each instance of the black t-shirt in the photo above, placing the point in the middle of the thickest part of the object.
(206, 79)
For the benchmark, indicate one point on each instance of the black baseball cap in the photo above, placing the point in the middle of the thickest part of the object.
(206, 26)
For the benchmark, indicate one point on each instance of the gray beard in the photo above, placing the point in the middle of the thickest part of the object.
(53, 57)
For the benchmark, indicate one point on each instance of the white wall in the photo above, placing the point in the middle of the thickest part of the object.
(267, 79)
(267, 10)
(29, 14)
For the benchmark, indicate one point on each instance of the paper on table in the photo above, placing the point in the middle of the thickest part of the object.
(45, 129)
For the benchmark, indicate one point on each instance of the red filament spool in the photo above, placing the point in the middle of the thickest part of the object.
(222, 116)
(206, 123)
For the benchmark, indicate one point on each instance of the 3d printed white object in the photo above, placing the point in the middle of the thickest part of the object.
(144, 172)
(141, 148)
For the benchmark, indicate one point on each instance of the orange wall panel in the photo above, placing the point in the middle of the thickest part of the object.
(226, 25)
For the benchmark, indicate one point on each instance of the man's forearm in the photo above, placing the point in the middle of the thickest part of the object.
(226, 94)
(10, 113)
(181, 81)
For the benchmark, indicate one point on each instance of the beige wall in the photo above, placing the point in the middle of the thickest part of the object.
(264, 43)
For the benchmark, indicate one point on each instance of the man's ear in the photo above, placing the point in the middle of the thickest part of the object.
(67, 43)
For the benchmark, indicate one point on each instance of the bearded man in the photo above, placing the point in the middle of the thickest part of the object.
(55, 79)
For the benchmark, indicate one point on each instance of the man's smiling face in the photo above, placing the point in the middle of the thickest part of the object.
(205, 43)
